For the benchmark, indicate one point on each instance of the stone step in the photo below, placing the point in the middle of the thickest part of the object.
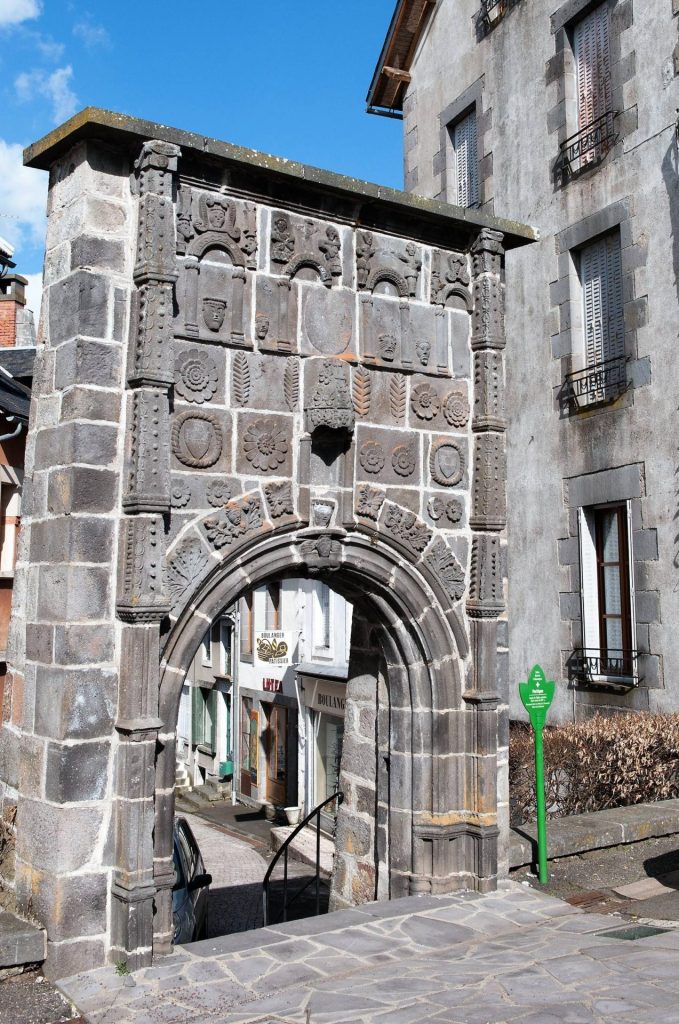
(20, 942)
(303, 847)
(190, 802)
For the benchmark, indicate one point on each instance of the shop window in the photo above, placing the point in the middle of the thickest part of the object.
(249, 738)
(330, 737)
(204, 719)
(465, 162)
(247, 627)
(607, 593)
(272, 616)
(277, 753)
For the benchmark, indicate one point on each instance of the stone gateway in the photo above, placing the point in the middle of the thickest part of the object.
(250, 370)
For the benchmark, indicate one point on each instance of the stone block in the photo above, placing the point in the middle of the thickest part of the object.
(40, 643)
(79, 304)
(20, 943)
(77, 773)
(65, 959)
(88, 443)
(72, 906)
(72, 540)
(645, 545)
(73, 703)
(639, 372)
(647, 606)
(92, 252)
(86, 404)
(72, 593)
(84, 361)
(570, 606)
(49, 835)
(81, 489)
(84, 645)
(609, 485)
(569, 551)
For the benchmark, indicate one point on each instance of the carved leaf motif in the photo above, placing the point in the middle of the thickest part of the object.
(185, 568)
(241, 379)
(397, 396)
(361, 391)
(291, 384)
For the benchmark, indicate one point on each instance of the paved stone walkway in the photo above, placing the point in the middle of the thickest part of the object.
(515, 955)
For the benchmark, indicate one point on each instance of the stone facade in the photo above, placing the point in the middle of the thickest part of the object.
(520, 64)
(251, 370)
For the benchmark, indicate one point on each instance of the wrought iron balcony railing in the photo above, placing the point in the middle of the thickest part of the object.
(602, 382)
(611, 667)
(493, 11)
(586, 148)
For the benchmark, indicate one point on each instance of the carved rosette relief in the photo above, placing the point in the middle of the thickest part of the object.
(424, 401)
(185, 568)
(456, 408)
(369, 501)
(218, 492)
(265, 445)
(279, 499)
(372, 457)
(197, 439)
(195, 376)
(180, 492)
(403, 460)
(236, 519)
(449, 509)
(447, 462)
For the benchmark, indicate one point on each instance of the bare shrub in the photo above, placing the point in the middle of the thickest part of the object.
(597, 764)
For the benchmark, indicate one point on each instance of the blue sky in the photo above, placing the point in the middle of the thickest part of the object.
(284, 76)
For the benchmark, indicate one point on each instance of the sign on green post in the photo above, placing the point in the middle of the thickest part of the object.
(536, 696)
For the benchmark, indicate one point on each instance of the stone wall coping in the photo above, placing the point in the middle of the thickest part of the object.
(273, 179)
(581, 832)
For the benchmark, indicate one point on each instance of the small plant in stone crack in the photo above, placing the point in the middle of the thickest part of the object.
(121, 967)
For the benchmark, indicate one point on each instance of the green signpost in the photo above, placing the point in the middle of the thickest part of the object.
(536, 696)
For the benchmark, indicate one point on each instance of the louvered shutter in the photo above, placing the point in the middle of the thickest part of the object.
(593, 66)
(601, 274)
(588, 580)
(466, 161)
(197, 716)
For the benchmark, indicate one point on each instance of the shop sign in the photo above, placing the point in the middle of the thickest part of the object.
(272, 685)
(328, 697)
(273, 647)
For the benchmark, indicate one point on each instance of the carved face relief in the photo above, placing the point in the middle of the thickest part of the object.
(197, 439)
(265, 445)
(424, 401)
(371, 457)
(456, 408)
(423, 349)
(195, 376)
(262, 324)
(214, 311)
(403, 460)
(387, 345)
(447, 463)
(322, 513)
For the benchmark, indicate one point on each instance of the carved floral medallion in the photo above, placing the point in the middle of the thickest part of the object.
(265, 445)
(372, 457)
(195, 376)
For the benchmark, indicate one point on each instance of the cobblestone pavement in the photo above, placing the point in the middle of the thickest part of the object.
(512, 956)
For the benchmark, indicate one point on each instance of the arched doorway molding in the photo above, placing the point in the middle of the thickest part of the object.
(424, 648)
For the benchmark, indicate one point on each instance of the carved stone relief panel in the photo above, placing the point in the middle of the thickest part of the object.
(489, 403)
(438, 405)
(276, 314)
(450, 280)
(405, 527)
(199, 372)
(388, 456)
(264, 444)
(489, 506)
(210, 220)
(399, 334)
(306, 248)
(186, 566)
(141, 596)
(328, 402)
(446, 512)
(214, 300)
(201, 439)
(448, 461)
(327, 326)
(147, 486)
(447, 570)
(237, 519)
(387, 265)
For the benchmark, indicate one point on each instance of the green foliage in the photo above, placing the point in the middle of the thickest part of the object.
(594, 765)
(121, 967)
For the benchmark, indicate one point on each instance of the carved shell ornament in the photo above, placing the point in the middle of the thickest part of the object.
(265, 445)
(197, 439)
(456, 408)
(372, 457)
(424, 401)
(195, 376)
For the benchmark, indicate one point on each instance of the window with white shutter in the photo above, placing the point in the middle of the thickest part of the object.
(593, 65)
(465, 161)
(602, 306)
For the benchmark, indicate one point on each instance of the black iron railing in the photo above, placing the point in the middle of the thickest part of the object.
(602, 382)
(586, 148)
(493, 11)
(337, 797)
(593, 665)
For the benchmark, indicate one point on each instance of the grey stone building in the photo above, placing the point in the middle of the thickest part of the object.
(251, 370)
(564, 114)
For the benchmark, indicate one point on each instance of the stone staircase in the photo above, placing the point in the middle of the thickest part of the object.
(182, 783)
(195, 800)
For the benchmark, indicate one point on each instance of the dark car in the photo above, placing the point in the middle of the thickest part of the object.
(190, 892)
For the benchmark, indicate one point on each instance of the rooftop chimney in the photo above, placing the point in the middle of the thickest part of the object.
(16, 322)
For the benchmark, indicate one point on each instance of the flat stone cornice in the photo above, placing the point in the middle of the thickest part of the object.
(284, 182)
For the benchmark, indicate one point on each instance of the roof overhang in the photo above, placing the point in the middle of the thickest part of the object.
(392, 74)
(284, 183)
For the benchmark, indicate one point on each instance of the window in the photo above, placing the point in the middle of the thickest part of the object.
(593, 66)
(273, 605)
(206, 649)
(247, 627)
(465, 183)
(607, 596)
(225, 634)
(322, 632)
(184, 723)
(204, 718)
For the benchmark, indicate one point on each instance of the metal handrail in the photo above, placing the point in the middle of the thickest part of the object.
(339, 797)
(600, 382)
(586, 147)
(590, 663)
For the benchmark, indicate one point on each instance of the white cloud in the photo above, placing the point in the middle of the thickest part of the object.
(13, 12)
(91, 34)
(33, 293)
(23, 199)
(56, 88)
